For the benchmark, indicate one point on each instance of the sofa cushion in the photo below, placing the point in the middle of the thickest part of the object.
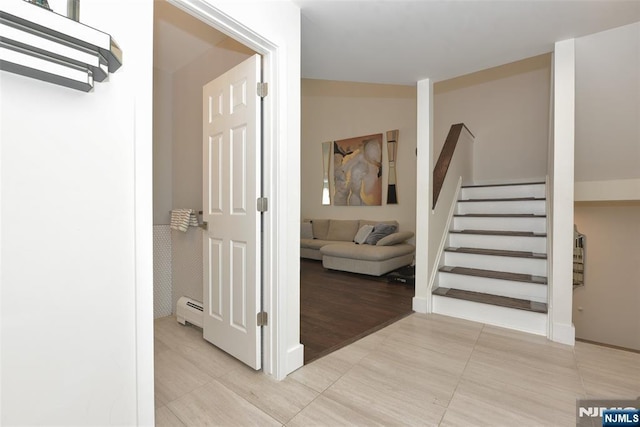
(395, 238)
(366, 252)
(363, 233)
(320, 228)
(314, 243)
(306, 230)
(342, 229)
(380, 230)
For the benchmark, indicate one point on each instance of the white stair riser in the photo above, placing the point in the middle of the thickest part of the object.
(535, 224)
(521, 320)
(503, 192)
(537, 207)
(536, 267)
(505, 288)
(508, 243)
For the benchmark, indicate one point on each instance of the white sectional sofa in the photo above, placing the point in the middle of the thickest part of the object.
(332, 241)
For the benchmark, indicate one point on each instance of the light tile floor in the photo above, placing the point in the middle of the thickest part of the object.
(422, 370)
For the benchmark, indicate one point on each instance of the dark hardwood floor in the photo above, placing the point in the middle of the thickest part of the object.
(338, 308)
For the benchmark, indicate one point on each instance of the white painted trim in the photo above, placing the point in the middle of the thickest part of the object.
(210, 15)
(424, 168)
(563, 333)
(611, 190)
(444, 238)
(549, 198)
(420, 304)
(143, 252)
(561, 300)
(1, 285)
(142, 112)
(295, 356)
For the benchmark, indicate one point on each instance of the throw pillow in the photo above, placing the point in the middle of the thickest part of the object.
(306, 230)
(395, 238)
(362, 234)
(380, 231)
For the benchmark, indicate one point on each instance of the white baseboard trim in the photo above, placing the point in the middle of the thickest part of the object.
(563, 334)
(420, 305)
(295, 359)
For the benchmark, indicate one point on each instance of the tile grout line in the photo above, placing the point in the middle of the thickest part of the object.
(174, 414)
(579, 372)
(188, 392)
(346, 372)
(243, 398)
(320, 393)
(463, 371)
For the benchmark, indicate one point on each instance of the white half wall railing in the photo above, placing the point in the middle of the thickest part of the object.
(453, 169)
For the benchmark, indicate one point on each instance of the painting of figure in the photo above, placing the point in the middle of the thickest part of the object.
(357, 171)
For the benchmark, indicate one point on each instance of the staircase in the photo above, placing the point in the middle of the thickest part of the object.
(495, 260)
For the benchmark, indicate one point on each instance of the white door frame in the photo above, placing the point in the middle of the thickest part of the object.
(208, 14)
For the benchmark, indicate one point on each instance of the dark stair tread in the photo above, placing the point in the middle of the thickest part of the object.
(520, 304)
(501, 215)
(508, 199)
(511, 184)
(500, 233)
(497, 252)
(492, 274)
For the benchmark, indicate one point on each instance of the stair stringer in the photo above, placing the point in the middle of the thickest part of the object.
(549, 207)
(443, 242)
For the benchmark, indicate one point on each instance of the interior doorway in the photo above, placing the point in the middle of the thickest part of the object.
(188, 54)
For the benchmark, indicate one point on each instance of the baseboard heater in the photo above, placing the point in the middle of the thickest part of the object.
(189, 310)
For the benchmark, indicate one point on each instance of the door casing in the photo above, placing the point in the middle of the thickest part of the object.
(273, 356)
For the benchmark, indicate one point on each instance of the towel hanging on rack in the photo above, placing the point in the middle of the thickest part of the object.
(181, 219)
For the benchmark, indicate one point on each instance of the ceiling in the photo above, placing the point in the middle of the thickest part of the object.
(401, 42)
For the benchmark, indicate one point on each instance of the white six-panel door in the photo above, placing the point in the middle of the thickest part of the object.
(231, 186)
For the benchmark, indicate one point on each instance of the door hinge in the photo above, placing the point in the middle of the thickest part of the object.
(263, 89)
(262, 318)
(262, 204)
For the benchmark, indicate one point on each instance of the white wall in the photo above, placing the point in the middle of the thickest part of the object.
(162, 192)
(162, 145)
(607, 155)
(507, 109)
(337, 110)
(606, 308)
(70, 280)
(608, 106)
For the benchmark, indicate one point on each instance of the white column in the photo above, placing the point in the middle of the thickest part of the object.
(561, 327)
(424, 163)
